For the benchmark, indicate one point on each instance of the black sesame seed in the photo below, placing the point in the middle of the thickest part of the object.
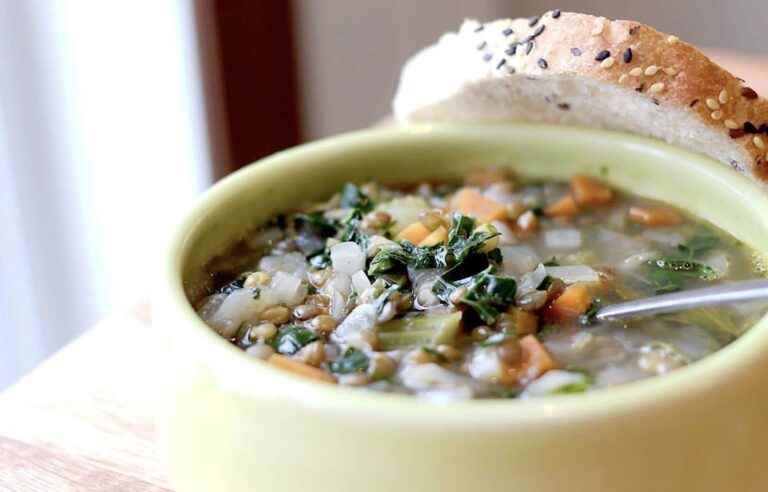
(693, 103)
(602, 55)
(748, 93)
(508, 31)
(543, 63)
(511, 50)
(479, 28)
(556, 14)
(628, 55)
(501, 63)
(737, 133)
(575, 51)
(529, 47)
(538, 31)
(533, 21)
(656, 101)
(487, 57)
(749, 127)
(564, 106)
(482, 45)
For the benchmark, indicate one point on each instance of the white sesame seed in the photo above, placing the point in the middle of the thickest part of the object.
(723, 96)
(672, 39)
(758, 142)
(651, 70)
(670, 71)
(712, 104)
(607, 63)
(623, 78)
(731, 124)
(656, 88)
(716, 115)
(636, 72)
(599, 26)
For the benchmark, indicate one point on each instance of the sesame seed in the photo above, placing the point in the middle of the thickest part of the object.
(543, 63)
(529, 47)
(628, 55)
(657, 87)
(716, 115)
(723, 96)
(758, 142)
(487, 57)
(599, 26)
(602, 55)
(651, 70)
(712, 103)
(671, 71)
(501, 63)
(607, 63)
(575, 51)
(507, 31)
(556, 13)
(636, 72)
(511, 50)
(672, 39)
(479, 28)
(730, 124)
(482, 45)
(749, 127)
(538, 31)
(533, 21)
(623, 78)
(748, 93)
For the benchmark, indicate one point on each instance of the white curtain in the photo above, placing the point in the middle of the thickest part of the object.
(103, 143)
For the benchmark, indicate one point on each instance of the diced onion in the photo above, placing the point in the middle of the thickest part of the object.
(347, 257)
(485, 365)
(352, 330)
(519, 259)
(237, 307)
(288, 289)
(293, 263)
(360, 282)
(339, 282)
(551, 382)
(532, 280)
(573, 274)
(563, 239)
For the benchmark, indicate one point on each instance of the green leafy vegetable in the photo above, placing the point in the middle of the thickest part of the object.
(323, 226)
(485, 293)
(353, 360)
(697, 245)
(573, 388)
(590, 315)
(353, 197)
(292, 338)
(669, 273)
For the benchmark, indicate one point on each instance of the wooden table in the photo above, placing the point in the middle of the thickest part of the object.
(83, 420)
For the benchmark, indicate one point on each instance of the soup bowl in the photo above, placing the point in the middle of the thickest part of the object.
(230, 422)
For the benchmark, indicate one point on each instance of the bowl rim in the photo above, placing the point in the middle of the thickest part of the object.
(264, 381)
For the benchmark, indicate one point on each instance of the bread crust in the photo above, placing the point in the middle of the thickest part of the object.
(631, 55)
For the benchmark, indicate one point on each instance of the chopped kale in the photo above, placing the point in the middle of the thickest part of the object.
(324, 227)
(353, 360)
(697, 245)
(485, 293)
(353, 197)
(590, 315)
(669, 273)
(292, 338)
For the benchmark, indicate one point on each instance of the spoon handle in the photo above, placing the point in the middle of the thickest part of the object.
(750, 290)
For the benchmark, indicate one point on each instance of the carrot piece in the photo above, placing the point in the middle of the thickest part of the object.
(300, 368)
(438, 236)
(535, 360)
(572, 303)
(654, 216)
(470, 202)
(587, 191)
(564, 207)
(414, 233)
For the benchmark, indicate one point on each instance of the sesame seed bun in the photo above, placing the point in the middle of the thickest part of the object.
(584, 70)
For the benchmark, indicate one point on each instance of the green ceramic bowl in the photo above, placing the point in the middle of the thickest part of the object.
(232, 423)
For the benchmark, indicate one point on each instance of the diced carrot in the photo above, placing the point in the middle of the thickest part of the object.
(569, 305)
(525, 323)
(654, 216)
(587, 191)
(414, 233)
(564, 207)
(438, 236)
(470, 202)
(486, 177)
(300, 368)
(535, 360)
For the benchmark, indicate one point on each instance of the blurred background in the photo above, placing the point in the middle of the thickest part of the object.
(115, 115)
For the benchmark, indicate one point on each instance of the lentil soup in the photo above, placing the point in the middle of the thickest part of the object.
(483, 289)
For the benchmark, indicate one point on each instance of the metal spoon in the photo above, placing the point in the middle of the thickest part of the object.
(750, 290)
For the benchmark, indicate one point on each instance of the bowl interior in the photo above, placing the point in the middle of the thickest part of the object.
(637, 165)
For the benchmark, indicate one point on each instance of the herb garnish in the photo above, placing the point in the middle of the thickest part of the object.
(353, 360)
(669, 273)
(324, 227)
(590, 315)
(353, 197)
(486, 293)
(292, 338)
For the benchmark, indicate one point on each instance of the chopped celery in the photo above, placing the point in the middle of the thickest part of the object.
(423, 330)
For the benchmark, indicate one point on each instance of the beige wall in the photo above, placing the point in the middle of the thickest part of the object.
(350, 51)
